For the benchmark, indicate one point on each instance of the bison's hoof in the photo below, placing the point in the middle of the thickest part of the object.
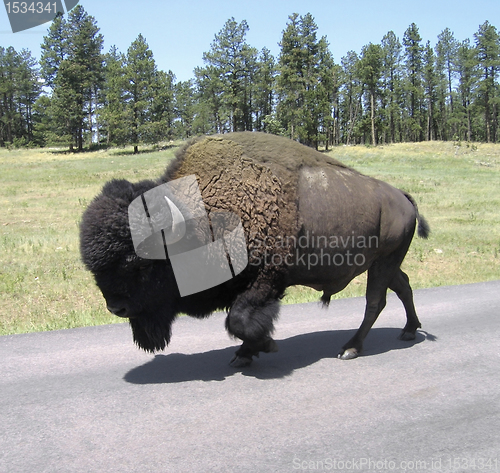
(270, 346)
(240, 361)
(348, 354)
(407, 336)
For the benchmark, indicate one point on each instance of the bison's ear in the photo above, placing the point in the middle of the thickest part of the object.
(125, 190)
(118, 189)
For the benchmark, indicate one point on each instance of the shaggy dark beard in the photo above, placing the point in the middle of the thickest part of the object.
(151, 334)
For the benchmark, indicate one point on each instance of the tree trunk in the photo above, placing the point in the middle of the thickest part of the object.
(372, 98)
(91, 126)
(487, 116)
(494, 123)
(487, 119)
(469, 124)
(430, 131)
(80, 138)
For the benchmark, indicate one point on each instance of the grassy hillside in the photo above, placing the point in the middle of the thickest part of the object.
(44, 286)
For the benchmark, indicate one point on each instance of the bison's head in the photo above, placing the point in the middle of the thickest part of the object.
(142, 290)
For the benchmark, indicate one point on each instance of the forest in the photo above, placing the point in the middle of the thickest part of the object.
(398, 90)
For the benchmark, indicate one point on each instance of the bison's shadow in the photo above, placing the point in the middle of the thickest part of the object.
(294, 353)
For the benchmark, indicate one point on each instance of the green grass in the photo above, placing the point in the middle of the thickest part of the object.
(43, 194)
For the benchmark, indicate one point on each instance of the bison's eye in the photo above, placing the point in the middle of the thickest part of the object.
(134, 263)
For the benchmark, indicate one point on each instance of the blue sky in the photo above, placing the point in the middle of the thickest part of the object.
(178, 32)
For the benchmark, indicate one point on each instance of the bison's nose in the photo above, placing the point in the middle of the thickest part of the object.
(117, 310)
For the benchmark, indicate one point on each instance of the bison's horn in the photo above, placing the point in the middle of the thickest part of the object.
(178, 224)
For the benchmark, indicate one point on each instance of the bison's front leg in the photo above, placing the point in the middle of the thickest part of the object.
(243, 356)
(251, 319)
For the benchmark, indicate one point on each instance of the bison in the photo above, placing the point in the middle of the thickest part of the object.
(306, 218)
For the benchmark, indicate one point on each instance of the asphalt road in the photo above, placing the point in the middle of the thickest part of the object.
(87, 400)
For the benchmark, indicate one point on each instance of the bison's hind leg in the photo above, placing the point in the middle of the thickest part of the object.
(380, 275)
(400, 284)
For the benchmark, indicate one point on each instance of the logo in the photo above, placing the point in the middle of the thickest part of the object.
(28, 14)
(170, 222)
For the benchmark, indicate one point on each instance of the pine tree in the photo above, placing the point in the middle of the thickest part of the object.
(212, 115)
(413, 50)
(184, 105)
(41, 121)
(351, 98)
(305, 81)
(72, 65)
(430, 90)
(446, 58)
(163, 106)
(326, 92)
(20, 87)
(333, 135)
(310, 112)
(54, 50)
(84, 52)
(113, 113)
(67, 112)
(234, 62)
(370, 73)
(264, 89)
(466, 63)
(28, 89)
(488, 59)
(291, 81)
(140, 74)
(8, 67)
(391, 77)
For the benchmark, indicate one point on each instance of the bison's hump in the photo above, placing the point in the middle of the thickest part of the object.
(280, 151)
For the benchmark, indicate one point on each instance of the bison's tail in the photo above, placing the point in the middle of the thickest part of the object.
(423, 229)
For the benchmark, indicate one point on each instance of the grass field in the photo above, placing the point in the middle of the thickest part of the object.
(43, 285)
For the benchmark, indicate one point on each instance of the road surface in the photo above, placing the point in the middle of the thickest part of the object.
(87, 400)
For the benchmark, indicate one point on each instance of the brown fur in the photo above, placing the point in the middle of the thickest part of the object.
(254, 175)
